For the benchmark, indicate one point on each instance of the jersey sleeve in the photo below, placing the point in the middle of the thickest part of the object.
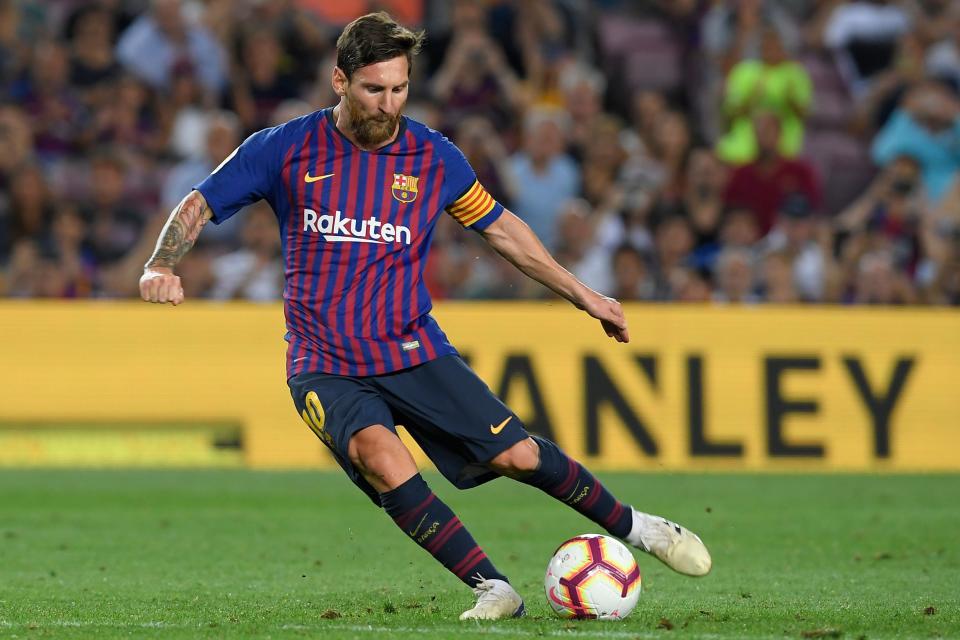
(464, 197)
(246, 176)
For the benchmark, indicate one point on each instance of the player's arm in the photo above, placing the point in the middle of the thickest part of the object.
(158, 283)
(515, 241)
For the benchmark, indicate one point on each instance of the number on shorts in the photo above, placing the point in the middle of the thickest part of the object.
(315, 418)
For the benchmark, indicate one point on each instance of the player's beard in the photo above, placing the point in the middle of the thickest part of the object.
(370, 131)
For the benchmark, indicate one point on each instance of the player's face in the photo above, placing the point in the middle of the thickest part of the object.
(374, 99)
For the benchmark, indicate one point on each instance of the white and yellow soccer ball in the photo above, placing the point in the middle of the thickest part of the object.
(592, 576)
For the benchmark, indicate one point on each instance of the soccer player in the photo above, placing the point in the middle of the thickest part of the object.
(357, 190)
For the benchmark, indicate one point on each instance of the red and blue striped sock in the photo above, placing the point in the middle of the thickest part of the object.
(569, 482)
(430, 523)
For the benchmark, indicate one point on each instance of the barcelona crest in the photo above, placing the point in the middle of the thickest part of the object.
(404, 187)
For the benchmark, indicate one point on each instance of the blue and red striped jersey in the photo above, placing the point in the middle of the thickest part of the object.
(355, 227)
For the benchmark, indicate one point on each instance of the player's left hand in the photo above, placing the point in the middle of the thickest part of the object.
(610, 314)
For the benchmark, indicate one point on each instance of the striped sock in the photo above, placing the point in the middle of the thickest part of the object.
(430, 523)
(569, 482)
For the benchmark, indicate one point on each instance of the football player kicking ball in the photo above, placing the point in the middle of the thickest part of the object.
(357, 190)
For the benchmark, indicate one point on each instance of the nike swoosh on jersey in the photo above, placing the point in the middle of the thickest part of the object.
(497, 429)
(310, 178)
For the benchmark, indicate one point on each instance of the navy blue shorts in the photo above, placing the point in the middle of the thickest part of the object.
(443, 404)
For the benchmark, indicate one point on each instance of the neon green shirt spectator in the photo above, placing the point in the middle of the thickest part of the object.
(752, 86)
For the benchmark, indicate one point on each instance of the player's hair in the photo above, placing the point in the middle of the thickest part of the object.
(374, 38)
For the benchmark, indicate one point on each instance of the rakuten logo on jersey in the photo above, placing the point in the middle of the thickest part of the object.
(339, 229)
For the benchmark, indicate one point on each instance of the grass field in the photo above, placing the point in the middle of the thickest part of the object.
(190, 554)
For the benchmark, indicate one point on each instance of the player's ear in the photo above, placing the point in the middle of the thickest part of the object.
(339, 81)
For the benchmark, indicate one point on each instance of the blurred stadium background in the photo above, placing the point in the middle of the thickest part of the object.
(735, 151)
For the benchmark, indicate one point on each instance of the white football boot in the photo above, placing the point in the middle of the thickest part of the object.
(676, 547)
(496, 599)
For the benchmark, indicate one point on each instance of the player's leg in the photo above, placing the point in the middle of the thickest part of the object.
(388, 466)
(473, 437)
(541, 463)
(357, 426)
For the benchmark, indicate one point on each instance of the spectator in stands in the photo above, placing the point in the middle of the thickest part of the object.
(673, 242)
(541, 41)
(10, 45)
(672, 144)
(93, 67)
(732, 31)
(261, 83)
(878, 282)
(774, 84)
(297, 26)
(927, 128)
(734, 277)
(28, 211)
(160, 40)
(631, 276)
(487, 154)
(545, 176)
(602, 161)
(943, 57)
(628, 220)
(863, 36)
(582, 89)
(705, 181)
(16, 140)
(20, 280)
(52, 104)
(690, 285)
(65, 251)
(776, 279)
(939, 275)
(797, 235)
(888, 87)
(891, 215)
(474, 77)
(578, 249)
(761, 185)
(646, 109)
(183, 114)
(255, 271)
(737, 229)
(114, 225)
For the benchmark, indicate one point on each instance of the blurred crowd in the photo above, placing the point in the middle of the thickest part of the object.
(734, 151)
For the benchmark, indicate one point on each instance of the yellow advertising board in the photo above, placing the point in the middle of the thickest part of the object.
(760, 388)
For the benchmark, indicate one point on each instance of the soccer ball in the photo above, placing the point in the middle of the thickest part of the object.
(592, 576)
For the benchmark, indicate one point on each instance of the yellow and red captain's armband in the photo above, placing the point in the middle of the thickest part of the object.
(472, 205)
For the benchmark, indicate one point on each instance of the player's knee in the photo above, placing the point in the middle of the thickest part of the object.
(379, 455)
(517, 461)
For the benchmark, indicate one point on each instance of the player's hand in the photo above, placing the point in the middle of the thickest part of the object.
(158, 284)
(610, 314)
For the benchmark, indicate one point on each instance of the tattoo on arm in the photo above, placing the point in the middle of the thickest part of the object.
(181, 231)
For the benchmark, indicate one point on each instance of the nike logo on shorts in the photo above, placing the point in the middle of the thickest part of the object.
(497, 429)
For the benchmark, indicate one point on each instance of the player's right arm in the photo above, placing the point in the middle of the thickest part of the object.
(245, 176)
(158, 282)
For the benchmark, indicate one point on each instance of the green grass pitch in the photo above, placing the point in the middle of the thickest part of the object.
(234, 554)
